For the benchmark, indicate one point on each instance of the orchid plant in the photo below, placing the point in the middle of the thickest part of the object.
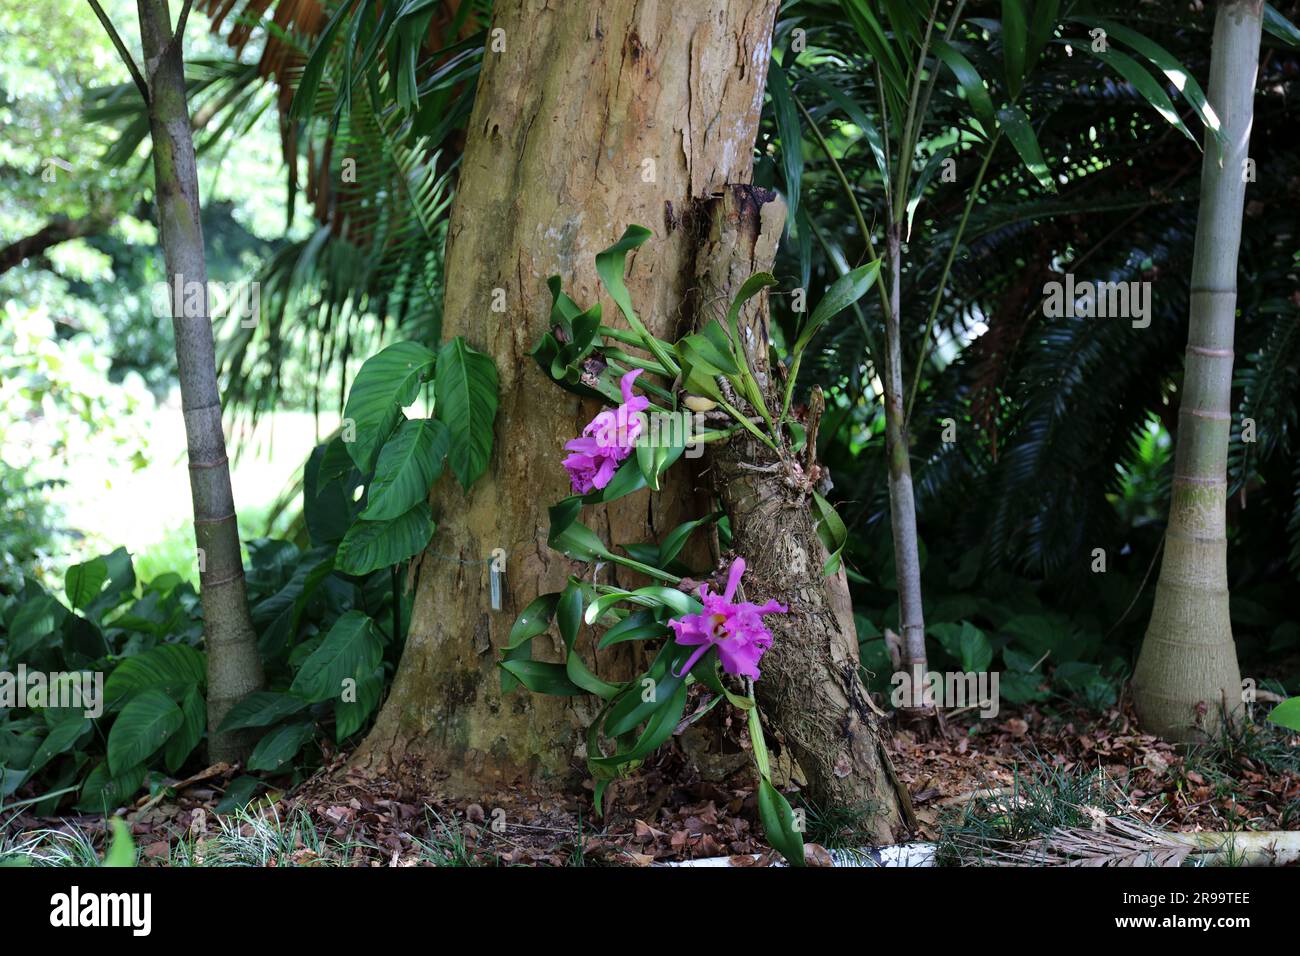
(714, 639)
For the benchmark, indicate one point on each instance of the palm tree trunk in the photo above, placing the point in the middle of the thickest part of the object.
(902, 498)
(234, 667)
(1187, 672)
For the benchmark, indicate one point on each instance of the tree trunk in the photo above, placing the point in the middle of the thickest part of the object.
(596, 115)
(1186, 675)
(902, 498)
(234, 667)
(810, 691)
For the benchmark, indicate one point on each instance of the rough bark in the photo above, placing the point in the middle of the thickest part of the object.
(234, 667)
(1187, 675)
(596, 115)
(810, 691)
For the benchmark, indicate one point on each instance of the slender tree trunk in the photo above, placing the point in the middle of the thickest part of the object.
(810, 691)
(594, 116)
(234, 667)
(902, 499)
(1187, 672)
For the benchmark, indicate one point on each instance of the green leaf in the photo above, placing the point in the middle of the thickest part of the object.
(1013, 121)
(121, 852)
(1143, 82)
(61, 738)
(261, 708)
(280, 746)
(778, 823)
(188, 735)
(1168, 64)
(1014, 43)
(830, 528)
(83, 582)
(387, 382)
(409, 463)
(238, 793)
(844, 292)
(663, 721)
(1279, 26)
(466, 395)
(654, 596)
(631, 709)
(918, 188)
(1287, 714)
(534, 620)
(675, 540)
(350, 715)
(370, 545)
(971, 83)
(172, 668)
(976, 651)
(542, 677)
(309, 83)
(858, 116)
(789, 133)
(144, 725)
(104, 792)
(571, 537)
(637, 626)
(1041, 27)
(568, 617)
(351, 650)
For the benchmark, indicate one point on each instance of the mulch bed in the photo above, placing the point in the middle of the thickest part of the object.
(666, 812)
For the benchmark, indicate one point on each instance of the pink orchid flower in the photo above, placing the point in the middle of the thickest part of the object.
(607, 440)
(736, 630)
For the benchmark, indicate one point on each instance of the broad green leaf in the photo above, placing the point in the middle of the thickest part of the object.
(409, 463)
(778, 823)
(534, 620)
(568, 617)
(172, 668)
(370, 545)
(542, 677)
(976, 651)
(238, 792)
(83, 582)
(59, 740)
(644, 698)
(654, 596)
(1015, 124)
(637, 626)
(971, 83)
(572, 538)
(387, 382)
(351, 651)
(262, 709)
(1287, 714)
(675, 540)
(144, 725)
(789, 133)
(104, 792)
(187, 736)
(280, 746)
(466, 394)
(660, 726)
(350, 715)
